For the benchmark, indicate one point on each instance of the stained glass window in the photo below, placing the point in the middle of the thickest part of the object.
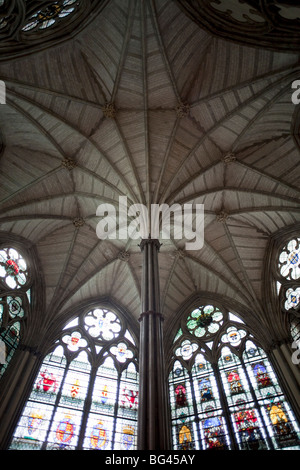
(289, 260)
(15, 296)
(288, 280)
(13, 268)
(86, 393)
(50, 14)
(204, 320)
(224, 393)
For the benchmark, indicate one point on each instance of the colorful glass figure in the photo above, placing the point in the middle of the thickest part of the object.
(261, 375)
(247, 426)
(205, 390)
(234, 381)
(185, 438)
(214, 433)
(180, 393)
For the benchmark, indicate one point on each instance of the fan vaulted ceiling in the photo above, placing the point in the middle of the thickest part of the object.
(149, 105)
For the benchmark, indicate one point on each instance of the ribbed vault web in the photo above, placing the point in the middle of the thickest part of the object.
(144, 104)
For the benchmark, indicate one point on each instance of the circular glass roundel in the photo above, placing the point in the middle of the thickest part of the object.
(13, 268)
(289, 260)
(102, 324)
(50, 14)
(205, 320)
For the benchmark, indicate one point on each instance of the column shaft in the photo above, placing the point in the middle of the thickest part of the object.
(153, 433)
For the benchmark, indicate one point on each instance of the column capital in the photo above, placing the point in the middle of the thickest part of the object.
(151, 312)
(150, 241)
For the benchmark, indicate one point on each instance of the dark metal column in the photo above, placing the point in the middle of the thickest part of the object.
(153, 425)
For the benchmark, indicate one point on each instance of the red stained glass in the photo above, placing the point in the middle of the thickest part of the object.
(11, 267)
(180, 392)
(47, 382)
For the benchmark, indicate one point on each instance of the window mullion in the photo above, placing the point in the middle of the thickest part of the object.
(254, 398)
(86, 407)
(227, 414)
(57, 400)
(196, 414)
(116, 408)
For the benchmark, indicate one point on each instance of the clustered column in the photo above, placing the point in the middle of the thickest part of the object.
(153, 429)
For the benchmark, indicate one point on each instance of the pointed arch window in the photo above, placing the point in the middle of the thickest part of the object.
(224, 393)
(85, 395)
(15, 300)
(287, 276)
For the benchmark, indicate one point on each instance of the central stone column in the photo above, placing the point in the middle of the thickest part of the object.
(153, 425)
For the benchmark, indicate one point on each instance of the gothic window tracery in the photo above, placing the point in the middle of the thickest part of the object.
(230, 397)
(85, 395)
(33, 24)
(287, 276)
(15, 299)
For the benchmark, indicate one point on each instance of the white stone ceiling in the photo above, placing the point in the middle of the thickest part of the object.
(147, 58)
